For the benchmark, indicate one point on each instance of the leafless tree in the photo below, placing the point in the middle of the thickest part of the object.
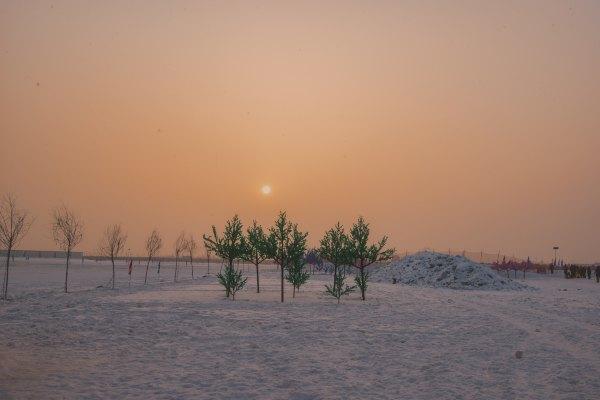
(190, 247)
(180, 246)
(67, 231)
(207, 260)
(153, 245)
(14, 224)
(113, 242)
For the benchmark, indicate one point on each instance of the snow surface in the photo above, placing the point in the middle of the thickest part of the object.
(184, 340)
(432, 269)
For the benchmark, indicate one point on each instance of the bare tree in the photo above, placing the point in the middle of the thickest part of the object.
(67, 231)
(14, 224)
(180, 246)
(190, 247)
(153, 245)
(207, 260)
(112, 245)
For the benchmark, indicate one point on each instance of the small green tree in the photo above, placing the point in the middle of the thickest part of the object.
(228, 247)
(257, 248)
(334, 248)
(286, 244)
(296, 275)
(364, 254)
(338, 287)
(232, 280)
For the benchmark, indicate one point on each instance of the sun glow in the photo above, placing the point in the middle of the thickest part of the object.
(266, 190)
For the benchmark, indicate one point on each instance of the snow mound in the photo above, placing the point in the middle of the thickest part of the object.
(432, 269)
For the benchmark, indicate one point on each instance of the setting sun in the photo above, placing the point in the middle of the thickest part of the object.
(266, 190)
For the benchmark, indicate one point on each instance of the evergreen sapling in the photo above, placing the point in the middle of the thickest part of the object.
(229, 247)
(362, 254)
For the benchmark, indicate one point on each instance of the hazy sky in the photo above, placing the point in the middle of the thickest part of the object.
(462, 124)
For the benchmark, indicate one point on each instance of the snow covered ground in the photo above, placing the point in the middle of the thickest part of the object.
(185, 340)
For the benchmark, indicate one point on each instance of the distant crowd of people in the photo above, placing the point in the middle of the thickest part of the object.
(581, 271)
(570, 270)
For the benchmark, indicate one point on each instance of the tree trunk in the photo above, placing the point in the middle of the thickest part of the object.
(294, 292)
(113, 277)
(362, 287)
(257, 280)
(192, 264)
(5, 283)
(147, 266)
(208, 262)
(67, 272)
(175, 276)
(334, 273)
(282, 297)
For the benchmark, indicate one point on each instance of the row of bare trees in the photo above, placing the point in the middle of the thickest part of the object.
(68, 233)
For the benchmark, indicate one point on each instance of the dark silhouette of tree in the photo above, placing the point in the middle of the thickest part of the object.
(67, 231)
(153, 246)
(112, 244)
(190, 248)
(14, 224)
(180, 246)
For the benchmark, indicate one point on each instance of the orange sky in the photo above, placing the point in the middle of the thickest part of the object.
(461, 124)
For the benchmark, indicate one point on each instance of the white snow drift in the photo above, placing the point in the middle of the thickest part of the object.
(432, 269)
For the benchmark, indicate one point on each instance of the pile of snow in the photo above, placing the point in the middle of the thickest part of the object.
(432, 269)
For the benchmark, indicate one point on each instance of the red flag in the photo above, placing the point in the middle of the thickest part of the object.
(130, 266)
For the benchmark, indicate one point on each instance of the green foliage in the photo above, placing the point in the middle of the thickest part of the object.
(232, 280)
(257, 245)
(296, 275)
(280, 234)
(364, 254)
(257, 248)
(362, 281)
(339, 288)
(289, 244)
(335, 248)
(229, 247)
